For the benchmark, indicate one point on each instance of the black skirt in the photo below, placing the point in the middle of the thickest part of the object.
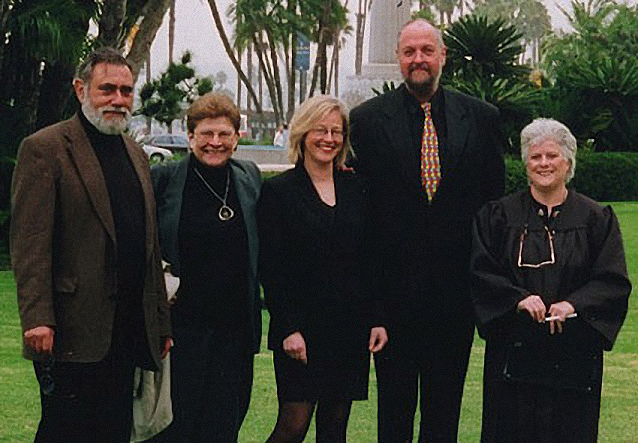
(334, 378)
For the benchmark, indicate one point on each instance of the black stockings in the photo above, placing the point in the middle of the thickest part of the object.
(293, 421)
(332, 421)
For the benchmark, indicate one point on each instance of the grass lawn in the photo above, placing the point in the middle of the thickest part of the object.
(19, 402)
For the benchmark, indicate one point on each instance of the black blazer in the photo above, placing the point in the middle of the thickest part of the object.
(168, 183)
(314, 263)
(424, 248)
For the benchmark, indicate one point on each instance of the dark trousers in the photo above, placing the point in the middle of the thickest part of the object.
(86, 402)
(430, 364)
(211, 380)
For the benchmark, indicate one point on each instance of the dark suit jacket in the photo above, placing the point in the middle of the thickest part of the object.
(63, 245)
(314, 265)
(168, 182)
(424, 248)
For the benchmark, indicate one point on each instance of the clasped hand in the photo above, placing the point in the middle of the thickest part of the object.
(535, 307)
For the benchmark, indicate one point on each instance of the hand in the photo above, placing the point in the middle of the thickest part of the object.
(40, 339)
(165, 346)
(561, 310)
(534, 306)
(295, 346)
(378, 339)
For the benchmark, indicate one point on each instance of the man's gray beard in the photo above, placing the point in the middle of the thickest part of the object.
(97, 119)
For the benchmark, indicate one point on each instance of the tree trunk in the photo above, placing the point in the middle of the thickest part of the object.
(239, 54)
(110, 26)
(293, 78)
(336, 65)
(268, 77)
(249, 68)
(276, 78)
(171, 31)
(149, 120)
(153, 13)
(231, 54)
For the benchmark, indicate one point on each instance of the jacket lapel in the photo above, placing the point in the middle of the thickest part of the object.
(90, 172)
(398, 133)
(247, 194)
(458, 124)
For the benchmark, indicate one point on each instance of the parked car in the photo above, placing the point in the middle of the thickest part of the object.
(157, 154)
(168, 141)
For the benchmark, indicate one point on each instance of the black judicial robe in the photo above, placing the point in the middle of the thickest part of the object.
(540, 387)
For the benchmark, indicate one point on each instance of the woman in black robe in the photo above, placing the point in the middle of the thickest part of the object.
(550, 290)
(315, 269)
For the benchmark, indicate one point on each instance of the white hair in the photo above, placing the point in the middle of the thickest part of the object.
(543, 129)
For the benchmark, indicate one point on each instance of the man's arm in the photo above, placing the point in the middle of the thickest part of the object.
(31, 238)
(495, 146)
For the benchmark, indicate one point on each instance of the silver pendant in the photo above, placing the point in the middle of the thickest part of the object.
(226, 213)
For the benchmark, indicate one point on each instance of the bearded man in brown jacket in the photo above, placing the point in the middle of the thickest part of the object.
(86, 260)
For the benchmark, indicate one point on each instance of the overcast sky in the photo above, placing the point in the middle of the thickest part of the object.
(196, 32)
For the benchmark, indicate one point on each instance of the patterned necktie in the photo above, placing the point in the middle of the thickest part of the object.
(430, 166)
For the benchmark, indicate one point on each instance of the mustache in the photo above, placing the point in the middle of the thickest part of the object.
(416, 66)
(122, 109)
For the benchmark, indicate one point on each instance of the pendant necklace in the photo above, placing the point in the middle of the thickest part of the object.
(225, 212)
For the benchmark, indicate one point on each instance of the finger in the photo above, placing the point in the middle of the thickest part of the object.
(303, 357)
(551, 328)
(47, 344)
(559, 326)
(372, 343)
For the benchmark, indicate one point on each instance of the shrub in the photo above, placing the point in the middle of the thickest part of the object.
(603, 176)
(607, 176)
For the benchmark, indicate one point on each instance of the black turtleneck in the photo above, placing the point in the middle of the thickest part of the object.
(213, 255)
(127, 207)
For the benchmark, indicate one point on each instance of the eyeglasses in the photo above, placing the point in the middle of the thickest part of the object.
(323, 132)
(552, 255)
(206, 136)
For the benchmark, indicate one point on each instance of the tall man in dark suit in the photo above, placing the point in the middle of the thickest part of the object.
(433, 158)
(86, 261)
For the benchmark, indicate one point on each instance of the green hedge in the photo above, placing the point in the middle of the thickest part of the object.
(603, 176)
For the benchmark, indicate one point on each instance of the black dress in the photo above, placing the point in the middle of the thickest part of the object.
(540, 387)
(315, 272)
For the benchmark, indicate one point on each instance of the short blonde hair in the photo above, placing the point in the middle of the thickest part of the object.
(307, 116)
(543, 129)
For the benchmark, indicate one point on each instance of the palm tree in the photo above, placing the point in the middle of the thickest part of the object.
(333, 16)
(231, 55)
(482, 61)
(479, 47)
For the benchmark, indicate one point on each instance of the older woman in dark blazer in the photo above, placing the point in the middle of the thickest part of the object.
(206, 207)
(316, 271)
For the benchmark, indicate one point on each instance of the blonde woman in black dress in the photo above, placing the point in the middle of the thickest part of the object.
(316, 269)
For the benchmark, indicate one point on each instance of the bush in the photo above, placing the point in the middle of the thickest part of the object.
(607, 176)
(515, 176)
(603, 176)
